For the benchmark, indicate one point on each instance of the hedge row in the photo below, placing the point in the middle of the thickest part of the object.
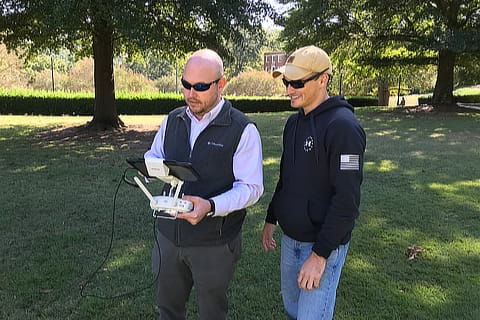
(75, 105)
(462, 98)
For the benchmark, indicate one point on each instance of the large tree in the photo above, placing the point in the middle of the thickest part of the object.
(439, 31)
(102, 28)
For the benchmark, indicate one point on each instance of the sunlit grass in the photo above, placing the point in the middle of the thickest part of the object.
(431, 295)
(56, 121)
(271, 161)
(467, 91)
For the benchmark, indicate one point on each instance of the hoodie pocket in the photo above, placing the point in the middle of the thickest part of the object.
(317, 210)
(291, 211)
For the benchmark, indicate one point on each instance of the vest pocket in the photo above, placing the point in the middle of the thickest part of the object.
(207, 231)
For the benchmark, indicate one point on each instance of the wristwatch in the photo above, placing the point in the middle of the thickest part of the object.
(212, 208)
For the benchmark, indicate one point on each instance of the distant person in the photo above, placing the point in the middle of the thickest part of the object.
(402, 102)
(317, 197)
(201, 248)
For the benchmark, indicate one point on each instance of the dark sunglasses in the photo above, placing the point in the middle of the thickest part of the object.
(198, 86)
(298, 84)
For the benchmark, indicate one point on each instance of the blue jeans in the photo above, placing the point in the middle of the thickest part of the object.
(309, 304)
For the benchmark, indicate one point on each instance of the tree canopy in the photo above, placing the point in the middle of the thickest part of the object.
(103, 28)
(428, 32)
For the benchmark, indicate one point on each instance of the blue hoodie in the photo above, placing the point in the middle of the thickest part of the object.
(317, 197)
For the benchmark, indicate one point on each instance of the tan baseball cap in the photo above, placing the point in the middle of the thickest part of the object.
(303, 62)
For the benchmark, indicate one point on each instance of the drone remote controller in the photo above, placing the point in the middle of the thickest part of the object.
(170, 204)
(165, 203)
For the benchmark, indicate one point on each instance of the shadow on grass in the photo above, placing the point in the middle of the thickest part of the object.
(133, 137)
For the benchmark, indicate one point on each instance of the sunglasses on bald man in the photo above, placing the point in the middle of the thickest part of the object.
(200, 86)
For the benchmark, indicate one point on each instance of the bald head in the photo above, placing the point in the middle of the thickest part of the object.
(206, 58)
(204, 68)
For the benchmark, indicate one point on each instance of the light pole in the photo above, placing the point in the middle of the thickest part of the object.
(53, 78)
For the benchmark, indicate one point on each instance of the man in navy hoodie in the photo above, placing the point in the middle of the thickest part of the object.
(317, 197)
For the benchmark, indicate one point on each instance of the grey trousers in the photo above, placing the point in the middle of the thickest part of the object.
(207, 268)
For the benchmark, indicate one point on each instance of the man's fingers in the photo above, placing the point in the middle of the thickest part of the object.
(307, 283)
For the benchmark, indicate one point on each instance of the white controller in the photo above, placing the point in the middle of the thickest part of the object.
(170, 204)
(164, 203)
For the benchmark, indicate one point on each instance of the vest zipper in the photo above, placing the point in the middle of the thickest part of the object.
(177, 233)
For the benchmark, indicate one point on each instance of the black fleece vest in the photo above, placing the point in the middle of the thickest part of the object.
(212, 158)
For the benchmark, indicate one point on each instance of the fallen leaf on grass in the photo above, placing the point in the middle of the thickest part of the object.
(45, 291)
(413, 252)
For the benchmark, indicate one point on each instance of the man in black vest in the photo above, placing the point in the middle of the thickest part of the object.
(200, 248)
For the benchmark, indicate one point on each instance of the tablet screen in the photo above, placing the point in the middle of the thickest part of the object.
(181, 170)
(139, 164)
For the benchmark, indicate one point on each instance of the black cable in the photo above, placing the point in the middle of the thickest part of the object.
(127, 181)
(93, 274)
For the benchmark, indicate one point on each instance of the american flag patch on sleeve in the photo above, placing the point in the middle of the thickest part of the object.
(349, 162)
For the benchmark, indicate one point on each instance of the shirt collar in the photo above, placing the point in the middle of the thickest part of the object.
(210, 115)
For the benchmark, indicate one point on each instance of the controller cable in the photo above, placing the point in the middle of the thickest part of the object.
(89, 279)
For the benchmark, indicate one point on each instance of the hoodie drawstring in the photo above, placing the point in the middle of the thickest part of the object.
(294, 139)
(315, 141)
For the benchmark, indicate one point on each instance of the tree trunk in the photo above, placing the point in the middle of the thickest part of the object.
(383, 91)
(443, 92)
(105, 115)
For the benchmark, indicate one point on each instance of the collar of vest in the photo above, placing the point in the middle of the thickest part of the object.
(222, 119)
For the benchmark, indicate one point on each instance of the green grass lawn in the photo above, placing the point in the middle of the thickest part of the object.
(471, 90)
(421, 187)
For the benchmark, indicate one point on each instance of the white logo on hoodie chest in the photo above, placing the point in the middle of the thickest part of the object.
(308, 144)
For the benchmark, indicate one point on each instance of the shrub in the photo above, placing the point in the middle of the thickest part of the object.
(80, 77)
(168, 84)
(43, 80)
(127, 80)
(12, 72)
(473, 98)
(254, 83)
(359, 101)
(59, 103)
